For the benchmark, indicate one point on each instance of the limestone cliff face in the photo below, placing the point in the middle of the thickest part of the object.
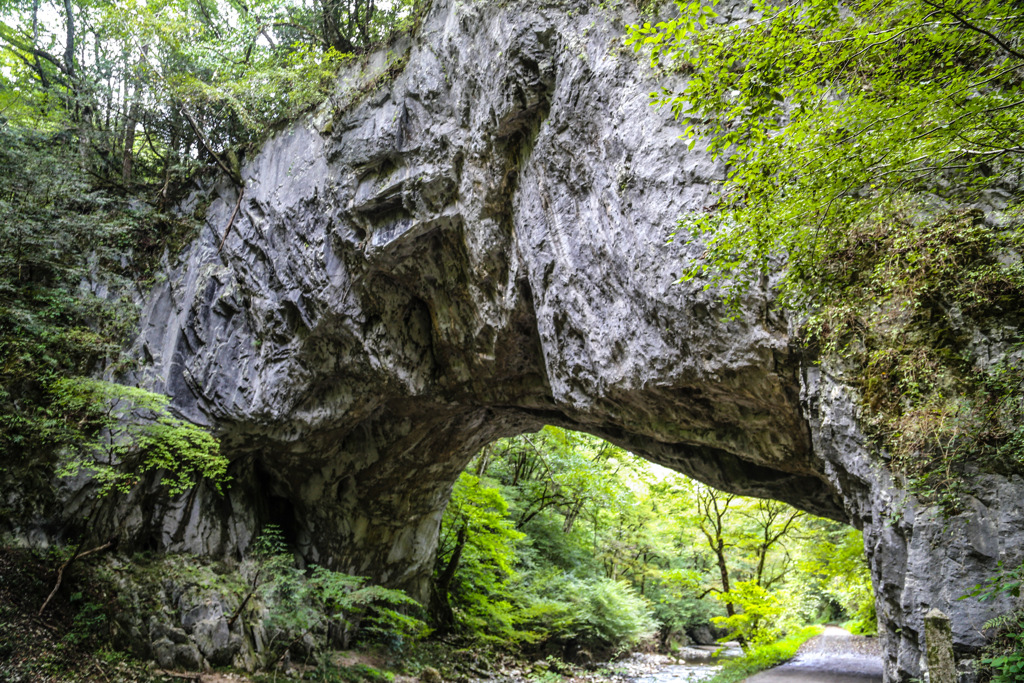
(479, 247)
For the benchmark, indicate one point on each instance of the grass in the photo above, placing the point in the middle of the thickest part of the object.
(764, 656)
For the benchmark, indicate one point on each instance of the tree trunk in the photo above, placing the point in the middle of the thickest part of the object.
(128, 154)
(132, 119)
(440, 608)
(723, 571)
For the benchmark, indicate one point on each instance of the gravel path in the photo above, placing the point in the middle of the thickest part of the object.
(835, 656)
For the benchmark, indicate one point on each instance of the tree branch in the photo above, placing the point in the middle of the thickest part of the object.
(209, 148)
(231, 222)
(32, 50)
(968, 25)
(69, 48)
(60, 572)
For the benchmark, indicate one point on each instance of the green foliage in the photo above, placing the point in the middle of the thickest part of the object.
(556, 470)
(595, 613)
(611, 614)
(854, 138)
(297, 603)
(1005, 660)
(353, 25)
(76, 643)
(1005, 581)
(909, 297)
(1009, 667)
(119, 434)
(679, 602)
(269, 544)
(764, 656)
(833, 569)
(483, 512)
(757, 621)
(477, 550)
(546, 597)
(152, 93)
(88, 621)
(222, 65)
(824, 113)
(327, 672)
(544, 583)
(611, 550)
(59, 233)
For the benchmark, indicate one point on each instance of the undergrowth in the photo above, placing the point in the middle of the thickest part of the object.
(925, 316)
(70, 642)
(73, 256)
(1003, 657)
(765, 656)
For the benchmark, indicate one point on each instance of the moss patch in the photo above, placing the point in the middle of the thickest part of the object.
(925, 317)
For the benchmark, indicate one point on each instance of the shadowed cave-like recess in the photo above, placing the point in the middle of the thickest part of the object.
(474, 250)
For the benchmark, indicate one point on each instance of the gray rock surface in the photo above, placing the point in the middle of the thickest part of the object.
(176, 611)
(476, 248)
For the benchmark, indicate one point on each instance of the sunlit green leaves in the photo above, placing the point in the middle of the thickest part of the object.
(758, 616)
(873, 155)
(119, 434)
(155, 90)
(822, 116)
(610, 548)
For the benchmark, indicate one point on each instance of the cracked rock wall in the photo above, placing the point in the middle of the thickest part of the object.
(477, 248)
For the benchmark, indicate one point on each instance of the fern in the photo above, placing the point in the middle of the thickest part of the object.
(1004, 621)
(299, 603)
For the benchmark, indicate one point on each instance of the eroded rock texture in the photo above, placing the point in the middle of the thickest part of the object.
(478, 248)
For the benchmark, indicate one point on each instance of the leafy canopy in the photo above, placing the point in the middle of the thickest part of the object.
(872, 155)
(758, 620)
(108, 111)
(559, 538)
(69, 255)
(827, 115)
(154, 90)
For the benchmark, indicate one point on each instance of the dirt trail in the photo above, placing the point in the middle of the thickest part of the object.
(835, 656)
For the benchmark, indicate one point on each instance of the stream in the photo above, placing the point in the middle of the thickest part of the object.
(696, 665)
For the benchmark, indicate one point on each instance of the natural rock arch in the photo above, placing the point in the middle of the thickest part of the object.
(477, 248)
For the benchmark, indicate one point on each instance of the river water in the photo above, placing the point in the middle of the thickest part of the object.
(681, 673)
(696, 665)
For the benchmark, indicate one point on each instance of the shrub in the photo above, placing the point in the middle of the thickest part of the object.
(757, 621)
(611, 614)
(1006, 652)
(764, 656)
(299, 603)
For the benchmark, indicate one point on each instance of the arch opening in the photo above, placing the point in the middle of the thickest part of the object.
(575, 547)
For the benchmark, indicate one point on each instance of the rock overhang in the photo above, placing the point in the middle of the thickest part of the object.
(480, 247)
